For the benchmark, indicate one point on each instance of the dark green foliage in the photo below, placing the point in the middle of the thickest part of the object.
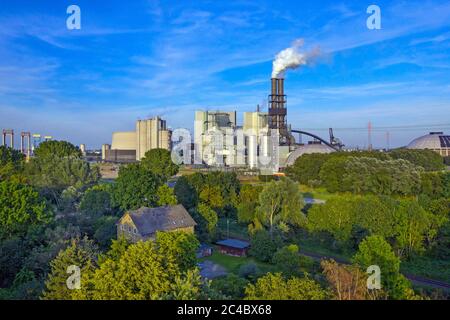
(186, 193)
(105, 231)
(58, 149)
(263, 246)
(232, 286)
(427, 159)
(435, 184)
(248, 270)
(96, 201)
(11, 162)
(12, 253)
(248, 201)
(20, 208)
(287, 260)
(404, 221)
(279, 206)
(332, 174)
(369, 175)
(159, 162)
(307, 167)
(135, 187)
(52, 175)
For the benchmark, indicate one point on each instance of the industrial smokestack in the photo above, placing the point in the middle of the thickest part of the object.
(274, 86)
(292, 58)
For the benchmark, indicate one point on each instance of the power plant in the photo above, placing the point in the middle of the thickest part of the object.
(131, 146)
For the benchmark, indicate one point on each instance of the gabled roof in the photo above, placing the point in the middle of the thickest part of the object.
(150, 220)
(234, 243)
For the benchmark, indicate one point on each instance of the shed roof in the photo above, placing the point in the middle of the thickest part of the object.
(234, 243)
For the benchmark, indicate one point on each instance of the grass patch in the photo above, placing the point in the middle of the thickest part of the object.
(232, 264)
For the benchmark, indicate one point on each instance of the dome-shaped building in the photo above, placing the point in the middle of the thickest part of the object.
(311, 147)
(435, 141)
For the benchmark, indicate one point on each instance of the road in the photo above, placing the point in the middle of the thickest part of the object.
(418, 280)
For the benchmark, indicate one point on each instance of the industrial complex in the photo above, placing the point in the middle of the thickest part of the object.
(132, 145)
(265, 142)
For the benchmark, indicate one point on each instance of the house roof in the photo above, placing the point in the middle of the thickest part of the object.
(150, 220)
(234, 243)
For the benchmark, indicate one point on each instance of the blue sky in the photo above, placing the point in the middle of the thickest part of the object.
(133, 59)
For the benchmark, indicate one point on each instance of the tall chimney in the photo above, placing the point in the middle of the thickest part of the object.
(274, 86)
(281, 87)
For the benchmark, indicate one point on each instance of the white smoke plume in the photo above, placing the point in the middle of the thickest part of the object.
(292, 58)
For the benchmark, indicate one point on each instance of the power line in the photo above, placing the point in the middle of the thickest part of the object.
(391, 128)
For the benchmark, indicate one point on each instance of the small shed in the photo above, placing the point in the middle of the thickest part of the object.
(204, 251)
(233, 247)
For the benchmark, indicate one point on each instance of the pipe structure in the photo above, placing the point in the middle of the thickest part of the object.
(27, 136)
(10, 133)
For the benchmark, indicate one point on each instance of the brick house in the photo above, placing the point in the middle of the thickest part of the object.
(142, 224)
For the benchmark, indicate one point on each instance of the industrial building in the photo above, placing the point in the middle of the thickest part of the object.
(311, 147)
(131, 146)
(267, 140)
(212, 131)
(435, 141)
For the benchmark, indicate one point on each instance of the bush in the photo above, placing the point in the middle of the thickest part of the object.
(248, 270)
(263, 246)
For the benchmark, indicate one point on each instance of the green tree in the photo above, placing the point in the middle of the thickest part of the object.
(212, 196)
(186, 193)
(11, 162)
(180, 247)
(96, 201)
(149, 270)
(166, 196)
(275, 287)
(427, 159)
(412, 225)
(207, 219)
(135, 187)
(248, 201)
(59, 149)
(332, 174)
(280, 203)
(20, 208)
(374, 250)
(336, 216)
(288, 261)
(307, 167)
(81, 253)
(231, 286)
(263, 245)
(52, 175)
(159, 161)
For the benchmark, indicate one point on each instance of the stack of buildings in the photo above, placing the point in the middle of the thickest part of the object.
(131, 146)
